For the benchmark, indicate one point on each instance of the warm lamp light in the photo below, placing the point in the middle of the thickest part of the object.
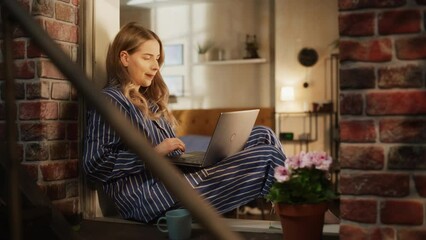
(287, 94)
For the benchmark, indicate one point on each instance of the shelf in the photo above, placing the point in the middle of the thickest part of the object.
(298, 140)
(305, 113)
(233, 61)
(302, 128)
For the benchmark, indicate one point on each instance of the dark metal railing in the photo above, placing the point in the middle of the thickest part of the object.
(160, 166)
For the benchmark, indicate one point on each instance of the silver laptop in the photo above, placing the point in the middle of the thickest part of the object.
(229, 137)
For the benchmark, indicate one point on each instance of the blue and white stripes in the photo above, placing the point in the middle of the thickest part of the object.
(140, 196)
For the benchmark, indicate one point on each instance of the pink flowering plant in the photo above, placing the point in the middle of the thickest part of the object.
(304, 178)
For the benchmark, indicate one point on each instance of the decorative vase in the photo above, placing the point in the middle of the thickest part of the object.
(302, 221)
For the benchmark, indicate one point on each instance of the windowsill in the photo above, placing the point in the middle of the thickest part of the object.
(239, 225)
(233, 61)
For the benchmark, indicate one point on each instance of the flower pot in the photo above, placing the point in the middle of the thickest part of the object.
(302, 221)
(202, 57)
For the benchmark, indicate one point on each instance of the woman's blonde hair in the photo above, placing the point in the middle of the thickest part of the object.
(129, 38)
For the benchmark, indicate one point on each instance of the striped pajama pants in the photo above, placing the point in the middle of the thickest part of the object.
(232, 182)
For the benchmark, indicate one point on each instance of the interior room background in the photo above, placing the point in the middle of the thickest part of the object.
(381, 100)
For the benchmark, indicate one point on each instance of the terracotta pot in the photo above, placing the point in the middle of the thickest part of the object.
(302, 221)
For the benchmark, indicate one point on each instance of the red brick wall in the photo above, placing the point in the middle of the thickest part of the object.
(47, 104)
(383, 119)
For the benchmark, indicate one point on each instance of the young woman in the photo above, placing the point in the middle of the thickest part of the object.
(136, 87)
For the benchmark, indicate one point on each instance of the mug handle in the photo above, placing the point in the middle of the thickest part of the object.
(158, 225)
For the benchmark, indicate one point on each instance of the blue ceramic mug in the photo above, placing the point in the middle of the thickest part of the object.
(178, 224)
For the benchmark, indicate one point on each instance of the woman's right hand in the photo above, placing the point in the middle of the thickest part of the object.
(169, 145)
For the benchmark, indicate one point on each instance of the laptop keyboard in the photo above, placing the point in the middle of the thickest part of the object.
(192, 158)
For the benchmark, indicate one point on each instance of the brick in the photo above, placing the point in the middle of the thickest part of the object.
(33, 51)
(411, 48)
(357, 131)
(19, 90)
(59, 170)
(62, 31)
(55, 131)
(68, 111)
(17, 32)
(18, 48)
(396, 103)
(61, 90)
(356, 232)
(399, 21)
(38, 90)
(412, 234)
(65, 12)
(409, 76)
(74, 153)
(38, 151)
(42, 131)
(24, 69)
(356, 24)
(402, 212)
(361, 4)
(31, 170)
(377, 184)
(351, 104)
(402, 130)
(32, 132)
(72, 131)
(376, 50)
(66, 48)
(420, 184)
(43, 8)
(46, 69)
(59, 150)
(358, 210)
(38, 110)
(67, 207)
(55, 191)
(407, 157)
(361, 157)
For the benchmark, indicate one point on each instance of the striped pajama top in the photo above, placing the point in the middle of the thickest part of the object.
(140, 196)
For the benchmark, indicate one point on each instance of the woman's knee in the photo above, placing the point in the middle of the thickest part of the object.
(263, 128)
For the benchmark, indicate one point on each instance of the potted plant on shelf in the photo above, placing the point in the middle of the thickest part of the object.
(301, 194)
(202, 51)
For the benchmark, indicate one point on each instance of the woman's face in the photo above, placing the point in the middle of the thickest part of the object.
(142, 65)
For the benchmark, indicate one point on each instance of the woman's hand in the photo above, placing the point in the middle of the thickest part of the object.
(169, 145)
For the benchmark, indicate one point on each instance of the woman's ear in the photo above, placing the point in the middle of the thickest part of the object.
(124, 58)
